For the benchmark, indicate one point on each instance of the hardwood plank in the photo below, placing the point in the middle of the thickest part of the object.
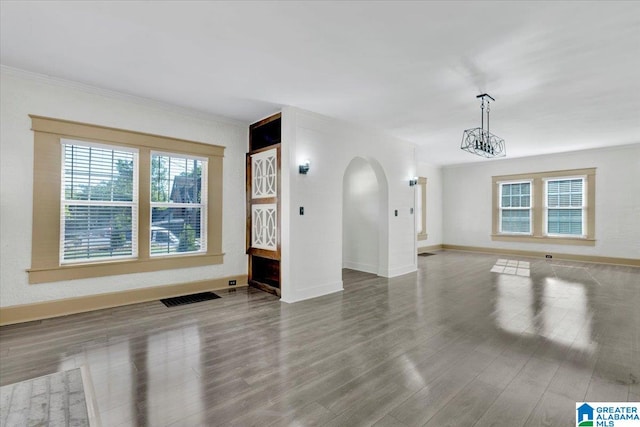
(553, 410)
(513, 406)
(312, 414)
(388, 421)
(467, 406)
(606, 390)
(424, 404)
(572, 381)
(366, 412)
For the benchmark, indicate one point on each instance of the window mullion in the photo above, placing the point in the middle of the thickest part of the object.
(144, 203)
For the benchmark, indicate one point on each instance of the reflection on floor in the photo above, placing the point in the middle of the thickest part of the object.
(512, 266)
(453, 344)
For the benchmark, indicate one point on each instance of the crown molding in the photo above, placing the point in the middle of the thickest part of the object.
(121, 96)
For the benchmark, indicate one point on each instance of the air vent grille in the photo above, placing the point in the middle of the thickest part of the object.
(189, 299)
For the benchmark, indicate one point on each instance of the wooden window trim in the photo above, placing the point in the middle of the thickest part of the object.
(422, 181)
(538, 208)
(47, 169)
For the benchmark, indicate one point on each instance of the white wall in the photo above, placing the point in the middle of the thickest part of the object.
(312, 244)
(434, 203)
(361, 217)
(467, 200)
(24, 94)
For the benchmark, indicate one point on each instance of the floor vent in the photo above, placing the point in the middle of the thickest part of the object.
(425, 254)
(189, 299)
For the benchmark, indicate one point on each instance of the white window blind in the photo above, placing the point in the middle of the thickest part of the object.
(99, 202)
(565, 206)
(178, 204)
(515, 207)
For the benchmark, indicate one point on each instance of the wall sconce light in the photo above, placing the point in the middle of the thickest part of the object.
(303, 168)
(413, 181)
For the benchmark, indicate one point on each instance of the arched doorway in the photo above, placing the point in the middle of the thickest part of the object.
(365, 227)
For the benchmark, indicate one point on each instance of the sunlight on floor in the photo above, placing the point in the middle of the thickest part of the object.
(511, 266)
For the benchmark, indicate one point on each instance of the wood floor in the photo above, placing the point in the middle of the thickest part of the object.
(451, 345)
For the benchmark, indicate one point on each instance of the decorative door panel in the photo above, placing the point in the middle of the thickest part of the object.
(264, 173)
(263, 204)
(264, 228)
(262, 198)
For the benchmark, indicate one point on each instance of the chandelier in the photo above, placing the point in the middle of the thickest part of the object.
(480, 141)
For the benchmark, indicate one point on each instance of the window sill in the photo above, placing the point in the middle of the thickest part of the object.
(111, 268)
(576, 241)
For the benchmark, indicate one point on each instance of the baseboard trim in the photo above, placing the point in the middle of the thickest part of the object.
(631, 262)
(48, 309)
(316, 291)
(432, 248)
(367, 268)
(400, 271)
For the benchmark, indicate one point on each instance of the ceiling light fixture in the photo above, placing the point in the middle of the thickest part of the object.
(480, 141)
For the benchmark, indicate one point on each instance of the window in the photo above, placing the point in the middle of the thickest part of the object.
(178, 204)
(421, 208)
(554, 207)
(515, 207)
(565, 207)
(99, 202)
(128, 202)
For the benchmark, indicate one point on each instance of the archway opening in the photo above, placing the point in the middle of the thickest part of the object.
(364, 219)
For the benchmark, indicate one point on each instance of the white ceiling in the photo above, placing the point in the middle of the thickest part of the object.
(565, 75)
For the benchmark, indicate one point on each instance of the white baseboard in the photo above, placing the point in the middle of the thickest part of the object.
(432, 248)
(296, 295)
(399, 271)
(360, 266)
